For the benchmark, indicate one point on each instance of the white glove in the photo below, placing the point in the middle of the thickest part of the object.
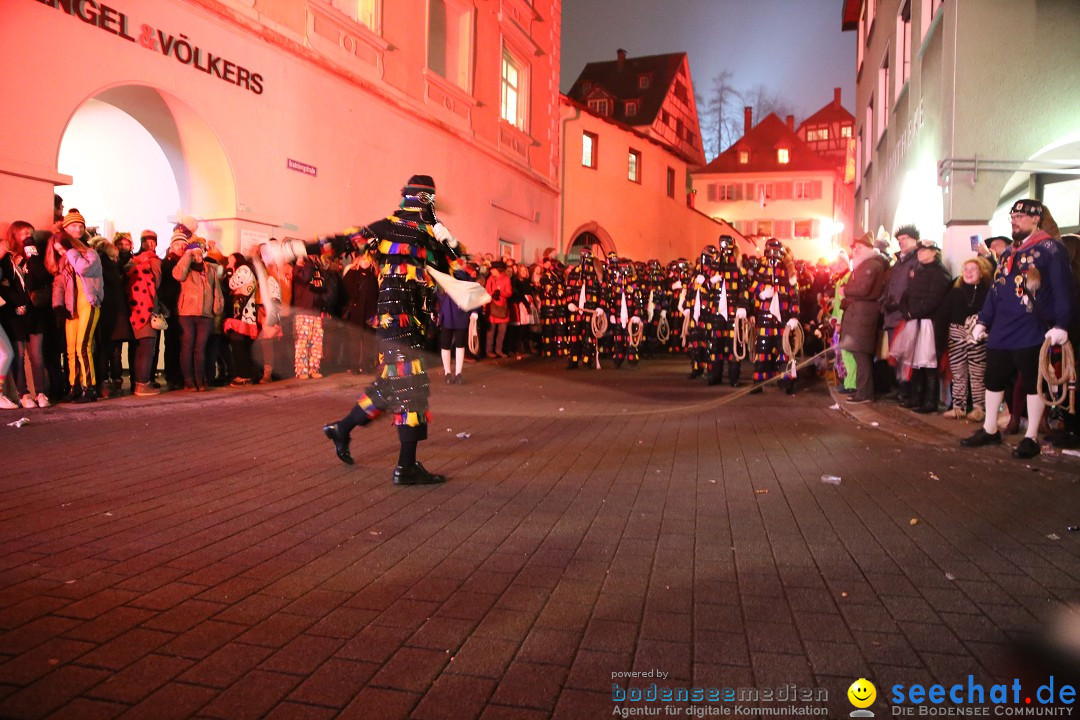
(978, 333)
(473, 315)
(740, 313)
(715, 279)
(663, 313)
(767, 293)
(700, 279)
(792, 324)
(612, 319)
(572, 307)
(677, 285)
(443, 235)
(1057, 336)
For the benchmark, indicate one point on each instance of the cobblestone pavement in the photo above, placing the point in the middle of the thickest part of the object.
(207, 556)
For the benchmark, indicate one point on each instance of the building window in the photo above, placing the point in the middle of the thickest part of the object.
(903, 46)
(589, 143)
(764, 227)
(801, 190)
(600, 106)
(728, 192)
(691, 138)
(633, 166)
(514, 97)
(680, 92)
(869, 125)
(883, 95)
(783, 156)
(817, 134)
(845, 130)
(803, 229)
(929, 9)
(508, 249)
(450, 41)
(365, 12)
(665, 117)
(744, 157)
(765, 191)
(631, 108)
(671, 182)
(642, 82)
(860, 44)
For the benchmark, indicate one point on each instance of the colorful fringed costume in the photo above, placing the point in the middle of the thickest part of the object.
(581, 297)
(729, 292)
(552, 314)
(776, 301)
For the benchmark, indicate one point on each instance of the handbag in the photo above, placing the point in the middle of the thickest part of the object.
(158, 321)
(500, 311)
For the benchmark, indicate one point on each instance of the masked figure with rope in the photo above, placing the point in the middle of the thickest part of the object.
(653, 302)
(730, 331)
(699, 310)
(552, 310)
(404, 243)
(623, 304)
(1027, 311)
(587, 319)
(776, 317)
(673, 317)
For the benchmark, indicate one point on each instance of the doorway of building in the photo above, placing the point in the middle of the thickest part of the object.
(139, 159)
(585, 240)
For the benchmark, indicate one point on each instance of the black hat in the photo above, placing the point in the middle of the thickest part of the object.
(418, 184)
(1002, 238)
(1027, 207)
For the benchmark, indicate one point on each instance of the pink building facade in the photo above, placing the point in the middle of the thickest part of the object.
(292, 117)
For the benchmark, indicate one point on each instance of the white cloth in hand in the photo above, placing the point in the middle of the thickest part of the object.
(978, 333)
(767, 293)
(1057, 336)
(740, 313)
(793, 323)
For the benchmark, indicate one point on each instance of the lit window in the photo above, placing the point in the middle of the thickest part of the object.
(365, 12)
(845, 131)
(783, 156)
(903, 46)
(765, 191)
(514, 103)
(600, 106)
(589, 142)
(764, 227)
(884, 98)
(631, 108)
(929, 10)
(671, 182)
(450, 41)
(744, 157)
(633, 168)
(801, 190)
(804, 228)
(817, 134)
(643, 81)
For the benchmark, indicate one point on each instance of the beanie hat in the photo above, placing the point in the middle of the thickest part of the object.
(866, 239)
(180, 236)
(1027, 207)
(418, 184)
(190, 223)
(73, 216)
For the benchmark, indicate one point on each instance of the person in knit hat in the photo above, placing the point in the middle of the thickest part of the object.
(78, 291)
(404, 244)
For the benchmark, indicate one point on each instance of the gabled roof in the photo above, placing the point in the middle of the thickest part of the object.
(623, 84)
(833, 112)
(762, 141)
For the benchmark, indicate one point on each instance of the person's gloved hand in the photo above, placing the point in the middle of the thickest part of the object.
(1057, 336)
(572, 307)
(767, 293)
(715, 279)
(700, 279)
(443, 235)
(740, 313)
(612, 319)
(663, 313)
(474, 315)
(978, 333)
(792, 324)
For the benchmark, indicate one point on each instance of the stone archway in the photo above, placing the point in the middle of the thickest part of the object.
(589, 235)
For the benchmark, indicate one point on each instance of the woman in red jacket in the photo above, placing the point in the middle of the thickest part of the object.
(499, 288)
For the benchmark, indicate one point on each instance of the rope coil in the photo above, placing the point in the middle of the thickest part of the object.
(474, 335)
(636, 330)
(1059, 386)
(741, 338)
(599, 322)
(663, 329)
(792, 343)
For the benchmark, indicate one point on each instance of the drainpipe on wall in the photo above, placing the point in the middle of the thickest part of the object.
(562, 181)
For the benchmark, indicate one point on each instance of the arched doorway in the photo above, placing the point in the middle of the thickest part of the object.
(590, 236)
(138, 158)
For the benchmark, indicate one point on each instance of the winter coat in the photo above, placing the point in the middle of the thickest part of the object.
(200, 290)
(361, 290)
(896, 284)
(143, 278)
(114, 323)
(17, 315)
(452, 317)
(861, 305)
(499, 304)
(309, 300)
(88, 268)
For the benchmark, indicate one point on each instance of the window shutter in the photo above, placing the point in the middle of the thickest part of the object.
(737, 187)
(750, 194)
(815, 228)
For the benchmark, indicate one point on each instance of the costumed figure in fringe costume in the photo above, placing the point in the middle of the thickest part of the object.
(582, 295)
(552, 310)
(404, 244)
(678, 277)
(699, 304)
(622, 303)
(776, 306)
(653, 301)
(729, 292)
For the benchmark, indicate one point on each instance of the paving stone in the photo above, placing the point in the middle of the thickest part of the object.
(139, 679)
(226, 665)
(334, 683)
(250, 697)
(455, 697)
(530, 685)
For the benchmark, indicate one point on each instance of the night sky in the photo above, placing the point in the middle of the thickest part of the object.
(793, 47)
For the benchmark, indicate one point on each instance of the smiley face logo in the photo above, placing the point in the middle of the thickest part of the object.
(862, 693)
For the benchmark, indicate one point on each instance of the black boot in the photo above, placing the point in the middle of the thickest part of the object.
(930, 393)
(73, 394)
(341, 442)
(694, 374)
(416, 474)
(916, 388)
(89, 395)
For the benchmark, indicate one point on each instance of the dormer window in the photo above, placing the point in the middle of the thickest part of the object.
(600, 106)
(631, 108)
(783, 156)
(586, 86)
(744, 157)
(642, 82)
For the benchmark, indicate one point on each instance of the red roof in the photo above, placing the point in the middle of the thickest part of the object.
(850, 18)
(833, 112)
(622, 82)
(763, 141)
